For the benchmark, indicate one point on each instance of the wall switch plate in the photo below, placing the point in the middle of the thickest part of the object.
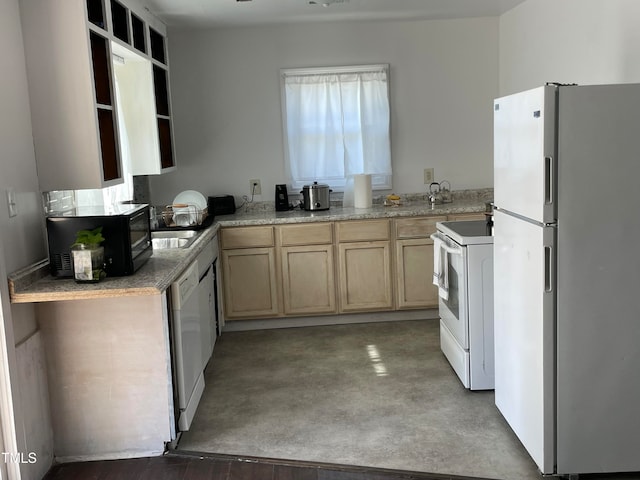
(254, 187)
(11, 202)
(428, 176)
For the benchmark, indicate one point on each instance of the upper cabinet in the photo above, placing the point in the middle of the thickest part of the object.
(84, 126)
(142, 75)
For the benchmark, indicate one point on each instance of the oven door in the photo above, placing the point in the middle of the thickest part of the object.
(454, 311)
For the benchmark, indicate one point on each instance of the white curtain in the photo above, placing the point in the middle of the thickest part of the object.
(337, 126)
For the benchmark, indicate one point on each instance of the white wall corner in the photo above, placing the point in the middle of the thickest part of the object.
(37, 434)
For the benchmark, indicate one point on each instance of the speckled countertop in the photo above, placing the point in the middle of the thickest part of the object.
(34, 284)
(271, 217)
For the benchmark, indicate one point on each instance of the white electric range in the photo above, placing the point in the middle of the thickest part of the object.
(463, 267)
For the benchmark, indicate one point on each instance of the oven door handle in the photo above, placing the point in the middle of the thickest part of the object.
(447, 244)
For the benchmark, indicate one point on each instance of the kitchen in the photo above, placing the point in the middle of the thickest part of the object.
(583, 43)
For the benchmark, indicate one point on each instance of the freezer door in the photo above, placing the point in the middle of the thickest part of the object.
(524, 335)
(525, 153)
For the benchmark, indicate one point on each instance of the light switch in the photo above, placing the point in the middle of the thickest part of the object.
(11, 202)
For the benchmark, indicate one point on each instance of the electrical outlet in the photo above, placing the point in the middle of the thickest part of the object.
(254, 187)
(428, 176)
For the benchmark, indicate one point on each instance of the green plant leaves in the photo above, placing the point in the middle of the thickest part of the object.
(89, 237)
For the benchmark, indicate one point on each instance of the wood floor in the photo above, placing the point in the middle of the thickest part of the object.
(187, 466)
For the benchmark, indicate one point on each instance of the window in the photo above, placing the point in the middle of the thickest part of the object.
(336, 124)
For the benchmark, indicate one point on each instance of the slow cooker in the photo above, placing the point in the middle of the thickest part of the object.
(315, 196)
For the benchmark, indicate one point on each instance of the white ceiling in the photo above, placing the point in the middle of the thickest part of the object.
(233, 13)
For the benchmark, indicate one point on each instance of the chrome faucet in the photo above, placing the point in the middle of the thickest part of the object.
(435, 198)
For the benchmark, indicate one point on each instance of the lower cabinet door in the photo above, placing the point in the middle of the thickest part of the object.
(250, 284)
(414, 274)
(365, 276)
(308, 280)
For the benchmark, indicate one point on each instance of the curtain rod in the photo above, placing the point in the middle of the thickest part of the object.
(308, 72)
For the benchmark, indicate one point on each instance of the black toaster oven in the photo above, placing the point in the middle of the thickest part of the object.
(125, 227)
(221, 205)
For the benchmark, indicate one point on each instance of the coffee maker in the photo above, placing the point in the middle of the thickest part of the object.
(282, 198)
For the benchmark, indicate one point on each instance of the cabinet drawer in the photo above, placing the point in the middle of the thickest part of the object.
(417, 227)
(305, 234)
(247, 237)
(362, 230)
(462, 217)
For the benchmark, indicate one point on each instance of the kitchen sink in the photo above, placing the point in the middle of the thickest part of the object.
(174, 239)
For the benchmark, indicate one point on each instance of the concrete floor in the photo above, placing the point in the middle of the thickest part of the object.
(378, 394)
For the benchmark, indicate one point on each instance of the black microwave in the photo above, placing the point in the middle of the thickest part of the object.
(125, 227)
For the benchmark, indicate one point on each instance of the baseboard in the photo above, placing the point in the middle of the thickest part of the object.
(109, 456)
(343, 319)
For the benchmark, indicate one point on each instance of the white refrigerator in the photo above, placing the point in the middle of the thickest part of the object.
(567, 275)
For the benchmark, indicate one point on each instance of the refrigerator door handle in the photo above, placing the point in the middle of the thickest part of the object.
(548, 269)
(548, 180)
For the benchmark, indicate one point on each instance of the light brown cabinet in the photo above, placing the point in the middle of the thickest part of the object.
(307, 269)
(462, 217)
(249, 273)
(414, 262)
(364, 265)
(323, 268)
(295, 278)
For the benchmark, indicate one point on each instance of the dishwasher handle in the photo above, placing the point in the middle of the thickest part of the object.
(185, 285)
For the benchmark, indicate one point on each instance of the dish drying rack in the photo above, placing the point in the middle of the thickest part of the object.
(183, 215)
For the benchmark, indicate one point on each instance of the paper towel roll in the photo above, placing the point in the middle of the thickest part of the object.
(362, 196)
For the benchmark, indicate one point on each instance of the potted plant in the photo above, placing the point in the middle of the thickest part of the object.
(88, 256)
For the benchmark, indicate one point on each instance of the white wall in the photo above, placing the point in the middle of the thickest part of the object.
(572, 41)
(227, 112)
(21, 237)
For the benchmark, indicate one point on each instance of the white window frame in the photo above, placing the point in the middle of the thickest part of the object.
(379, 182)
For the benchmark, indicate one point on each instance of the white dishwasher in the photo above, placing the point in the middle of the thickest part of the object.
(207, 297)
(187, 344)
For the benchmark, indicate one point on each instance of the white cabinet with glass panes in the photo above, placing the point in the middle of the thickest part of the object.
(69, 51)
